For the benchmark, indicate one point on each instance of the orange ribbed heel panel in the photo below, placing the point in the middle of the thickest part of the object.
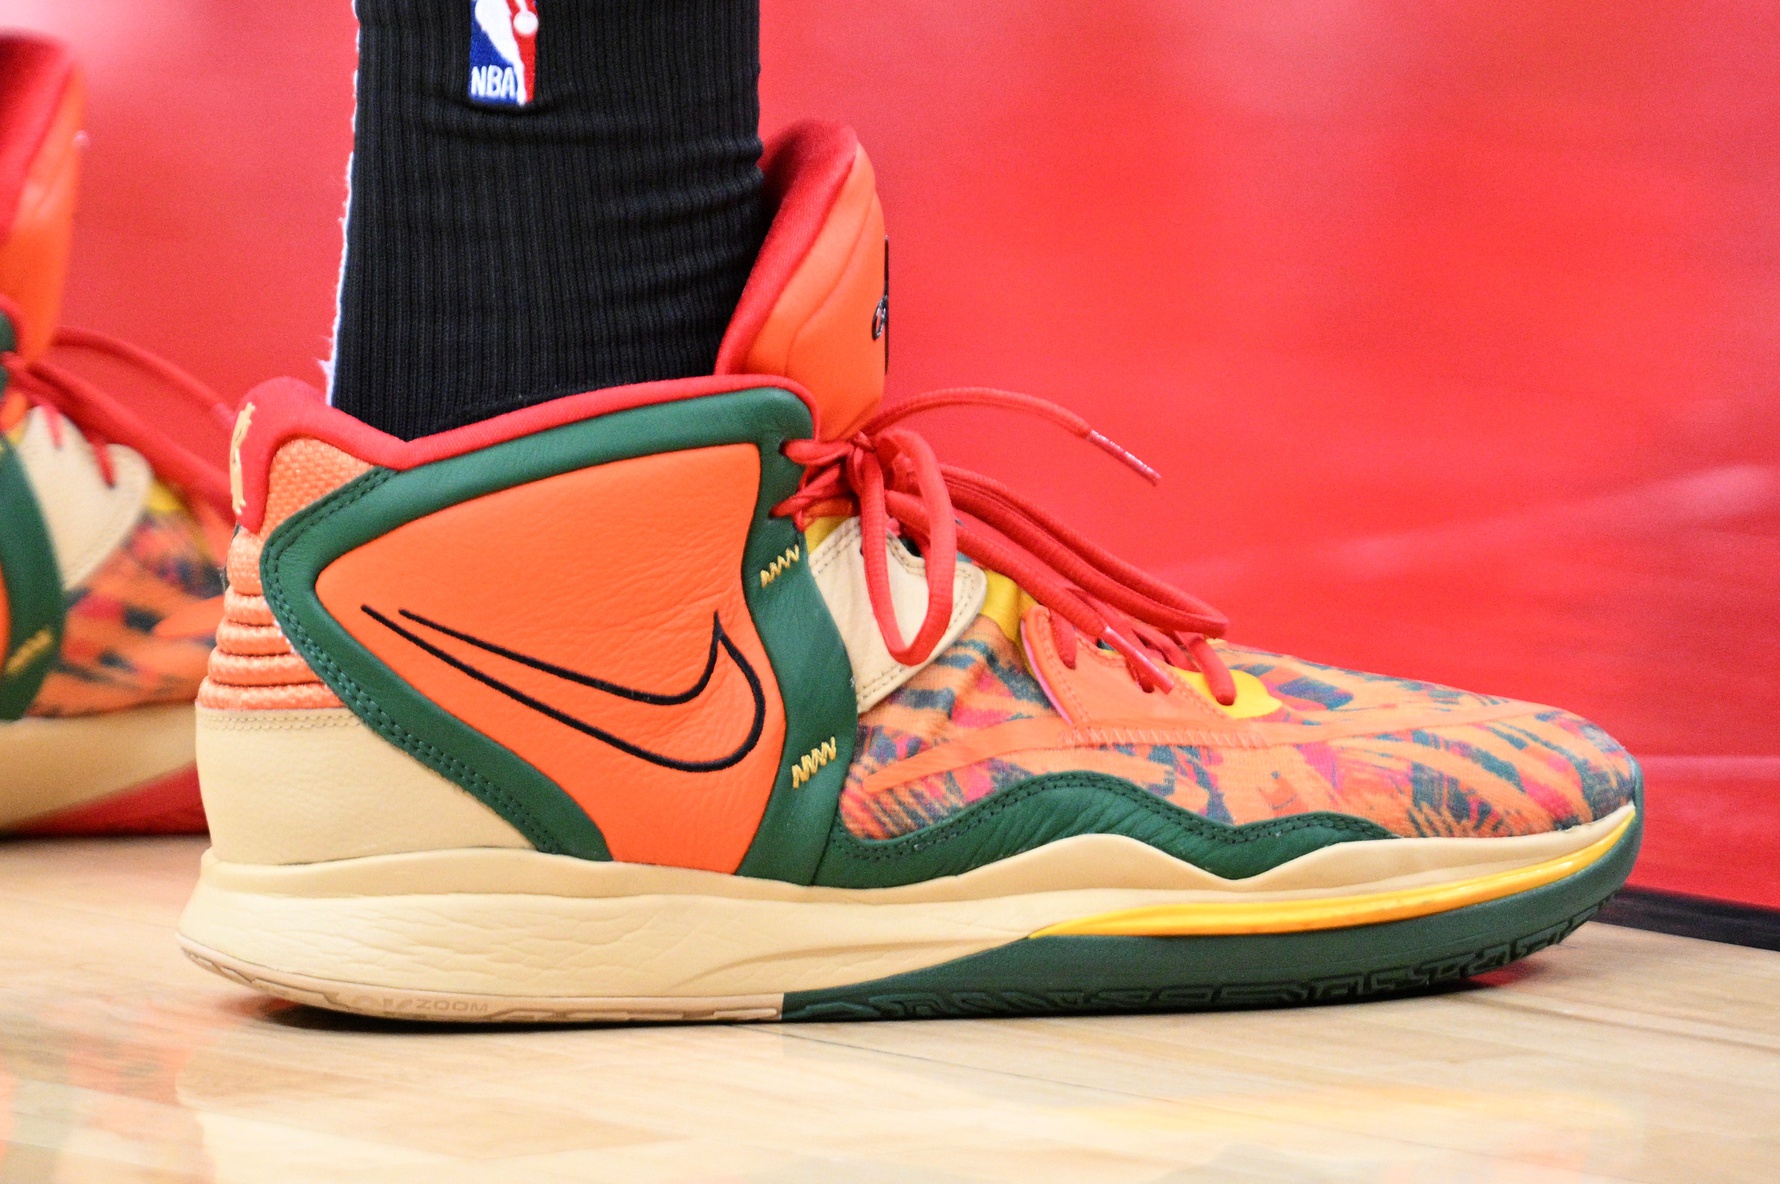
(253, 667)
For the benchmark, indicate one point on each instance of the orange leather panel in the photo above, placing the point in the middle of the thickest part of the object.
(819, 333)
(34, 252)
(615, 572)
(1099, 690)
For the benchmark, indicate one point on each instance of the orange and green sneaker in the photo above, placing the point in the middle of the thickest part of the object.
(113, 513)
(723, 699)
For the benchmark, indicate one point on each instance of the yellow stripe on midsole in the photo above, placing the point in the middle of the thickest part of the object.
(1294, 916)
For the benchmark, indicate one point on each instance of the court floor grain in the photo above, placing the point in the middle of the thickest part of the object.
(1621, 1055)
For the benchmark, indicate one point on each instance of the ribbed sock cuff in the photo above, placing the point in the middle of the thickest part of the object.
(498, 257)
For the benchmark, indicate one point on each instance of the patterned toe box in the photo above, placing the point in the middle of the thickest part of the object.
(1413, 759)
(1424, 760)
(1537, 771)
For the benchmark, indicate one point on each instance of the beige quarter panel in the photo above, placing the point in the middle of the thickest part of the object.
(87, 518)
(838, 565)
(288, 787)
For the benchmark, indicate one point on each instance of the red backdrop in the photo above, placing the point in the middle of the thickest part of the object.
(1453, 328)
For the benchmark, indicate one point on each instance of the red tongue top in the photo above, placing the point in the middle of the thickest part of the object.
(42, 103)
(815, 309)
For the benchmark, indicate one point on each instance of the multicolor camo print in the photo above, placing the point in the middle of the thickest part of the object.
(111, 658)
(1314, 694)
(1533, 772)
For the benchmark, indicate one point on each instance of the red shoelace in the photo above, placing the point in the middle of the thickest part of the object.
(889, 473)
(62, 394)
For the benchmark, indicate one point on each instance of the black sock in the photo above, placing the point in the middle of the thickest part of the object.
(499, 256)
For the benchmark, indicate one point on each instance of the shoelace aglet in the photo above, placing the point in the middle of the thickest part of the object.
(1124, 455)
(1218, 679)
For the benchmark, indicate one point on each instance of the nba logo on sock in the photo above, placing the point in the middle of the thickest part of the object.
(503, 52)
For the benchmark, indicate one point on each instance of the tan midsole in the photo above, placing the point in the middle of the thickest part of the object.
(666, 937)
(1082, 862)
(53, 764)
(411, 1003)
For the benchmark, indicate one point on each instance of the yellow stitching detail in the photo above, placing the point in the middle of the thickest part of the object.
(812, 761)
(32, 650)
(781, 565)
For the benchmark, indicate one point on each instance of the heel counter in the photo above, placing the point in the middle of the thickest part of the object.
(288, 773)
(307, 786)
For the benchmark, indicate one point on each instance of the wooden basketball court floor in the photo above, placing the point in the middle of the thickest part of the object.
(1620, 1055)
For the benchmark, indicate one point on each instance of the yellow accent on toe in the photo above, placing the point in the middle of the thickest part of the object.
(1295, 916)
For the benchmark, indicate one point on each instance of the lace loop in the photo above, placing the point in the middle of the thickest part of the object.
(890, 476)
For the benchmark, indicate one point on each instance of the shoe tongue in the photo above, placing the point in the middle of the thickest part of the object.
(816, 307)
(42, 103)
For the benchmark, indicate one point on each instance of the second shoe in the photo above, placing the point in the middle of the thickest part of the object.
(114, 508)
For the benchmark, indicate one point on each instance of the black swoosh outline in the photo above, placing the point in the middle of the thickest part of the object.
(575, 676)
(718, 638)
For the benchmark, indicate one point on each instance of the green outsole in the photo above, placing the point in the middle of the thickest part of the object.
(1098, 975)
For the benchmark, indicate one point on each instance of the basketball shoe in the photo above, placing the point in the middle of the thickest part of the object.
(113, 513)
(722, 698)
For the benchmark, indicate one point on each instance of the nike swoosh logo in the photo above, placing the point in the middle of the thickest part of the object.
(720, 640)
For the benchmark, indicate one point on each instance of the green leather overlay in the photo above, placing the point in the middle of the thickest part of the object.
(815, 680)
(1062, 805)
(35, 602)
(808, 659)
